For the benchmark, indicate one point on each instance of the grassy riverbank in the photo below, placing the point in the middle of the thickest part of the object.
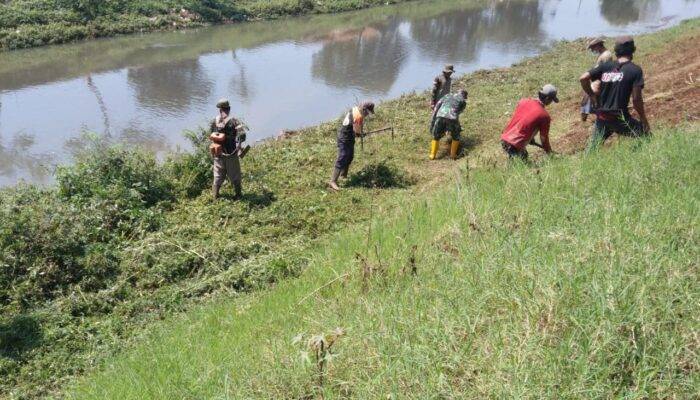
(574, 280)
(32, 23)
(122, 242)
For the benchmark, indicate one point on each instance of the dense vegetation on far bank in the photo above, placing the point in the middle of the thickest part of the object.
(32, 23)
(123, 241)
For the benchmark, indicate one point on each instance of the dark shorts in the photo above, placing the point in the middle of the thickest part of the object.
(346, 153)
(444, 125)
(513, 152)
(624, 125)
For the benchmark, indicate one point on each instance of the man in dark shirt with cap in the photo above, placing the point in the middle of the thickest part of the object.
(619, 80)
(442, 85)
(351, 127)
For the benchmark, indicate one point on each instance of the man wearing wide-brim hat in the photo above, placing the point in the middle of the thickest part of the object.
(226, 134)
(597, 46)
(442, 84)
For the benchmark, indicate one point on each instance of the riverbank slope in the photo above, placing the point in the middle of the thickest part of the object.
(32, 23)
(574, 279)
(123, 242)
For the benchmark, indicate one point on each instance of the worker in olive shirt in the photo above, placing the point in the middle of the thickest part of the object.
(619, 80)
(442, 85)
(603, 55)
(530, 117)
(227, 163)
(351, 127)
(446, 119)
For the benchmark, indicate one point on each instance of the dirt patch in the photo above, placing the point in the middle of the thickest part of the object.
(672, 93)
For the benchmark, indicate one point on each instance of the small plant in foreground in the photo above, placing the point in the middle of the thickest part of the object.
(319, 351)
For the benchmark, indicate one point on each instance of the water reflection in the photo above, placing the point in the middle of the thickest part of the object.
(17, 159)
(623, 12)
(144, 90)
(170, 87)
(240, 84)
(461, 35)
(369, 58)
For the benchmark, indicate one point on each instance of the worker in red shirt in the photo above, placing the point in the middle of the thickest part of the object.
(529, 118)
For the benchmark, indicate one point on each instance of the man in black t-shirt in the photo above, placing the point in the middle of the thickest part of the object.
(620, 81)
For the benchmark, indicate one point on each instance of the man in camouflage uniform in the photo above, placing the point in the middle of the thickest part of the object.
(442, 85)
(226, 160)
(446, 119)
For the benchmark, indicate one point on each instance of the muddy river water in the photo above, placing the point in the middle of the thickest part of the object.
(145, 90)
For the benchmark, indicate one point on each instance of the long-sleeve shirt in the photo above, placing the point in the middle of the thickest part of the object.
(442, 85)
(529, 118)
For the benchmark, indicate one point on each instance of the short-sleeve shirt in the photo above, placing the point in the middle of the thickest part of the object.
(616, 84)
(529, 118)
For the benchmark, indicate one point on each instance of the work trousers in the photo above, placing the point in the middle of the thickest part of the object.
(623, 125)
(227, 166)
(513, 152)
(346, 153)
(444, 125)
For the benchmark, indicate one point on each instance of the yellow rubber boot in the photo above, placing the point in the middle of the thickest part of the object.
(434, 146)
(454, 149)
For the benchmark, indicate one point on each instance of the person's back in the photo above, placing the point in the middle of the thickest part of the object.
(529, 117)
(450, 106)
(617, 81)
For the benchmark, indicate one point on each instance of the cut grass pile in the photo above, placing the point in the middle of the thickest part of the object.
(123, 241)
(576, 279)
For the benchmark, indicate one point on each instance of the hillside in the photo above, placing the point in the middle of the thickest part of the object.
(575, 279)
(122, 242)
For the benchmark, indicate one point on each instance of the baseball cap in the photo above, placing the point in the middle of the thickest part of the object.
(367, 105)
(550, 91)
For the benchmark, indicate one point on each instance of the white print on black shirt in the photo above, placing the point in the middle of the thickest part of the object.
(614, 76)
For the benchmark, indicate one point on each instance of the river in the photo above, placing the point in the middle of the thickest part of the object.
(144, 90)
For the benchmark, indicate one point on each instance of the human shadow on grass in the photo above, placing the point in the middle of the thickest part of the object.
(18, 335)
(254, 200)
(380, 175)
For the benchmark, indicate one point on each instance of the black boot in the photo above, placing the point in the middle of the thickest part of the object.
(334, 179)
(239, 190)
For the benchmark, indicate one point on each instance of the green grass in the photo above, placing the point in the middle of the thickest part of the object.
(574, 279)
(32, 23)
(87, 267)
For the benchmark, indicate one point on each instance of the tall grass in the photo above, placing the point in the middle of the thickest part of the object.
(126, 241)
(575, 279)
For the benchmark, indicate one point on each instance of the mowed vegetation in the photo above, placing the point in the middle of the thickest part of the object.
(576, 279)
(123, 241)
(31, 23)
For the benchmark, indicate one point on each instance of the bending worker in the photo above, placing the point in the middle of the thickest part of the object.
(529, 118)
(352, 127)
(446, 119)
(620, 80)
(603, 55)
(227, 133)
(442, 85)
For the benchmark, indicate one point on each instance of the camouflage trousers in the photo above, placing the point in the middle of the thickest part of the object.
(227, 166)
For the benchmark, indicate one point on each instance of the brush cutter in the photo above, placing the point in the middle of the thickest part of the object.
(386, 129)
